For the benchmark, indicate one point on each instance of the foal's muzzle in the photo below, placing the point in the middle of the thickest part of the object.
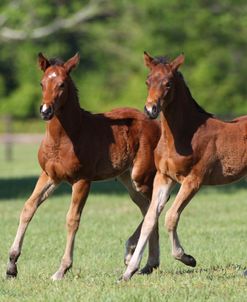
(152, 111)
(46, 112)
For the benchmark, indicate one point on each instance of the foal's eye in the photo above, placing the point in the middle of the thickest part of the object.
(41, 85)
(147, 82)
(169, 84)
(61, 85)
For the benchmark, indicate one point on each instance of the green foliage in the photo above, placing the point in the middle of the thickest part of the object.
(22, 102)
(212, 34)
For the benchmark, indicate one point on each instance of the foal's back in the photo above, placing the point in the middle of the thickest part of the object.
(104, 145)
(116, 139)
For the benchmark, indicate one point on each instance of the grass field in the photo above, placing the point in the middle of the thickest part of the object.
(212, 228)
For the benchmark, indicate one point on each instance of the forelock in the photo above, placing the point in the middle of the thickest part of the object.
(56, 61)
(161, 60)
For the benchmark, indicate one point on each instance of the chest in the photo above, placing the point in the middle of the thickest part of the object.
(58, 160)
(172, 163)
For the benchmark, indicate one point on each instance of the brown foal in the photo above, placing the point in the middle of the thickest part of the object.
(80, 147)
(195, 149)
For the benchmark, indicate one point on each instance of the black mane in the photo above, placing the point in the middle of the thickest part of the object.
(198, 107)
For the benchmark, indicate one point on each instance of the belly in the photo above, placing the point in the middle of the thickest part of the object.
(225, 172)
(99, 167)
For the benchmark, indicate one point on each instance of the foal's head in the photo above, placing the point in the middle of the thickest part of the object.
(160, 83)
(55, 83)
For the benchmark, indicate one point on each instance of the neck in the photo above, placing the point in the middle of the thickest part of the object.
(182, 117)
(68, 121)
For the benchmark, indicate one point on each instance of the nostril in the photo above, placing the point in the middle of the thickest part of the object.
(46, 111)
(154, 110)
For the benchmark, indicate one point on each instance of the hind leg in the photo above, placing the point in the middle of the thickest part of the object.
(143, 174)
(161, 192)
(142, 202)
(131, 243)
(187, 190)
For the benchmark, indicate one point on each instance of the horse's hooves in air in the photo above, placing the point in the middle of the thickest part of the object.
(188, 260)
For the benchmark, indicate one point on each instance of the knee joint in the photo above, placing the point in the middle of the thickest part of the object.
(27, 213)
(72, 223)
(171, 221)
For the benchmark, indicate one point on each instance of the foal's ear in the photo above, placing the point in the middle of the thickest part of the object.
(72, 62)
(43, 62)
(148, 60)
(176, 63)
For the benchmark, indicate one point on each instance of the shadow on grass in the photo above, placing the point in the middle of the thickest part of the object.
(13, 188)
(229, 269)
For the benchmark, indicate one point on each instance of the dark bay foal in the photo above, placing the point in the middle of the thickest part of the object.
(80, 147)
(195, 149)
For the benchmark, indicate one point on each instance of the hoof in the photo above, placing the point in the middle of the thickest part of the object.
(127, 276)
(245, 273)
(10, 275)
(120, 280)
(123, 278)
(147, 269)
(57, 276)
(11, 271)
(188, 260)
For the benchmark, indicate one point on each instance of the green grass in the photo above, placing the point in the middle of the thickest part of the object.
(212, 229)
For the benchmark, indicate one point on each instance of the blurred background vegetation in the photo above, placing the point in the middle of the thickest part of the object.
(110, 36)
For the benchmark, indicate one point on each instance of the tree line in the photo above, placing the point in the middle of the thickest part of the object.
(111, 36)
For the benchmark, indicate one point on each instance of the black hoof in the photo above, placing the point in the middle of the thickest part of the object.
(10, 275)
(11, 271)
(147, 269)
(188, 260)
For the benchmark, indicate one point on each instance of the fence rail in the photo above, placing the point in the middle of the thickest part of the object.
(21, 138)
(8, 139)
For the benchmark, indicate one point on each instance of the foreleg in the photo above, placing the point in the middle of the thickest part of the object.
(80, 192)
(44, 187)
